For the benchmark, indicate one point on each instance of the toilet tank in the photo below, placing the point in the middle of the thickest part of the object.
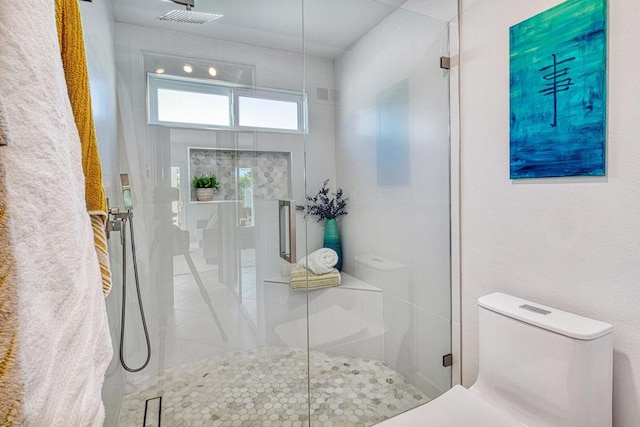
(544, 366)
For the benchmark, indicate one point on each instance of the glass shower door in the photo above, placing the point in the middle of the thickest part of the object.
(273, 99)
(227, 102)
(377, 341)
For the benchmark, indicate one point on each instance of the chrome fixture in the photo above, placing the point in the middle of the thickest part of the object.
(188, 16)
(117, 221)
(188, 3)
(287, 216)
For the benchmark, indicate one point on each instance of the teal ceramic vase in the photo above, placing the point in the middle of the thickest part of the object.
(332, 240)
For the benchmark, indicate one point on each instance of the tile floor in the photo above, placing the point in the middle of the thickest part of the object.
(267, 386)
(207, 381)
(182, 326)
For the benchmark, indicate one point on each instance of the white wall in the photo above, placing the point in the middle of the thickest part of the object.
(97, 20)
(571, 243)
(406, 224)
(273, 69)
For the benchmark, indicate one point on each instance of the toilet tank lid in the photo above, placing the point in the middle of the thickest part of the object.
(542, 316)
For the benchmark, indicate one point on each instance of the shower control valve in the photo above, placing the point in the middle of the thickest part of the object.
(113, 225)
(114, 222)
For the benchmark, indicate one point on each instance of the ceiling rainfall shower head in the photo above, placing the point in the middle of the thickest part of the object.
(188, 16)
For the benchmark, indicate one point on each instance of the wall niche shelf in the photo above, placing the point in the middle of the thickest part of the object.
(210, 202)
(241, 174)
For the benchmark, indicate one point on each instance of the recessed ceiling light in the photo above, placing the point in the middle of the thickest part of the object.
(160, 70)
(213, 72)
(187, 68)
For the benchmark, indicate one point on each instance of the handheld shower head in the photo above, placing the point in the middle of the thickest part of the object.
(126, 191)
(124, 181)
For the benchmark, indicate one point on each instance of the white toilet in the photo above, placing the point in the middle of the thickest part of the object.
(538, 367)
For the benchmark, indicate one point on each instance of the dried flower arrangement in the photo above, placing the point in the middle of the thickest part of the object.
(325, 204)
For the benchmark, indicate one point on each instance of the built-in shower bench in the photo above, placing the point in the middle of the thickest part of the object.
(346, 319)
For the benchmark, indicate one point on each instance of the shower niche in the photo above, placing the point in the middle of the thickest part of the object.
(243, 175)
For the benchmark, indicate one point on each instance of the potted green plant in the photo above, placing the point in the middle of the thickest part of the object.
(205, 186)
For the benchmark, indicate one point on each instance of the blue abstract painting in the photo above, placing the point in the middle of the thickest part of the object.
(558, 72)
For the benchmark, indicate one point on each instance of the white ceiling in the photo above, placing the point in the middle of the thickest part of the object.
(330, 26)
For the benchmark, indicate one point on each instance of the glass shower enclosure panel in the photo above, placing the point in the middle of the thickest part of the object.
(378, 340)
(212, 136)
(225, 129)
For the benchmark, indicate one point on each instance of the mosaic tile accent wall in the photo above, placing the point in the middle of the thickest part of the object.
(270, 171)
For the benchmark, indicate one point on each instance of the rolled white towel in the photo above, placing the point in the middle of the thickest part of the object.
(320, 261)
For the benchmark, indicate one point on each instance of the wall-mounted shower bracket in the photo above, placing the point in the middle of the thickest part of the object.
(115, 212)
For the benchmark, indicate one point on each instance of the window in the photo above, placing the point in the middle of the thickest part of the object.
(187, 103)
(245, 193)
(194, 103)
(176, 106)
(267, 113)
(176, 203)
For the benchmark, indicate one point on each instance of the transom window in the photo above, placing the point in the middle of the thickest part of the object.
(193, 103)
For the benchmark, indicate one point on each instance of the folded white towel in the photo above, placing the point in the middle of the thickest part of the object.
(320, 261)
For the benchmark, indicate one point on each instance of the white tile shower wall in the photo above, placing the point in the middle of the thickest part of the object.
(409, 223)
(276, 69)
(444, 10)
(97, 19)
(570, 243)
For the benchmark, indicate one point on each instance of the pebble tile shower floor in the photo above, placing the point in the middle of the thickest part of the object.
(267, 386)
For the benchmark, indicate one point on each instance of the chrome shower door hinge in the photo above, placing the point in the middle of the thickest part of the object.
(445, 62)
(447, 360)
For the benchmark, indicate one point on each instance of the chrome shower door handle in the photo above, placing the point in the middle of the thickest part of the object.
(287, 227)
